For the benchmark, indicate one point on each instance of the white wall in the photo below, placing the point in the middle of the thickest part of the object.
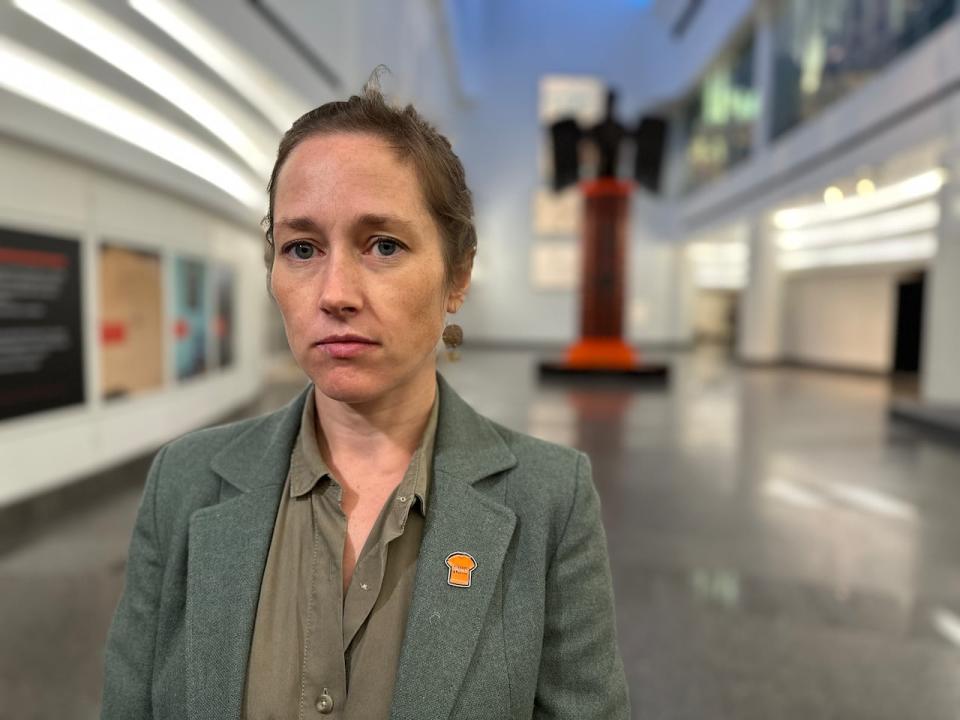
(44, 192)
(841, 319)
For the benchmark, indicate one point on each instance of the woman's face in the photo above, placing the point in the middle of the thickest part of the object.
(358, 268)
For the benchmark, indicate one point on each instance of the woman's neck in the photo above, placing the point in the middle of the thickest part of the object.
(384, 432)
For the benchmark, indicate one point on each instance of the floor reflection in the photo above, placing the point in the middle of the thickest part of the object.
(780, 548)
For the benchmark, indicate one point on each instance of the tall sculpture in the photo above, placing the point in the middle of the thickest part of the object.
(601, 348)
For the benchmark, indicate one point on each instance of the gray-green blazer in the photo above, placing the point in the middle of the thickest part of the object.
(533, 636)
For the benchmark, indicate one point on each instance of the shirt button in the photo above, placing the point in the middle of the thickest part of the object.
(364, 586)
(324, 703)
(402, 498)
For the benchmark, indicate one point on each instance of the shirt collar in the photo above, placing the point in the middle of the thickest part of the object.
(307, 467)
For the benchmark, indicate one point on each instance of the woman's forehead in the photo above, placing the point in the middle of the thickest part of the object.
(345, 169)
(346, 152)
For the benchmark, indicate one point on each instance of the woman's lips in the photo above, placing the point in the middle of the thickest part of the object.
(341, 349)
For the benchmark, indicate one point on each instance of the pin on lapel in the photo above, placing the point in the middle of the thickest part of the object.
(460, 567)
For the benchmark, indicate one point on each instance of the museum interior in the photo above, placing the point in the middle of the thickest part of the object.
(718, 251)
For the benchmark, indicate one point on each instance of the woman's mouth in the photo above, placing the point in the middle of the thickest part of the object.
(345, 346)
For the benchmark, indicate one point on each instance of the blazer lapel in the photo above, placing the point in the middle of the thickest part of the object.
(227, 552)
(444, 622)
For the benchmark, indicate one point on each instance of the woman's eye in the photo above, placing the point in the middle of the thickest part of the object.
(302, 250)
(386, 247)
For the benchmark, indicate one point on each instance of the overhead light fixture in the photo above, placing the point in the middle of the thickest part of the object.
(32, 76)
(910, 190)
(904, 249)
(907, 220)
(233, 65)
(832, 194)
(133, 55)
(865, 186)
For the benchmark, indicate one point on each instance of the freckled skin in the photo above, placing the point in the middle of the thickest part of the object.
(383, 281)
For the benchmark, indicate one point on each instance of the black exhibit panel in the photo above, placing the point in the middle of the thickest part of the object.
(41, 341)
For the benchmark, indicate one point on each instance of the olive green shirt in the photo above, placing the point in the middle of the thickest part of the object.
(315, 652)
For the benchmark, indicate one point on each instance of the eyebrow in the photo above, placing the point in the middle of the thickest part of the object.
(380, 220)
(370, 220)
(302, 224)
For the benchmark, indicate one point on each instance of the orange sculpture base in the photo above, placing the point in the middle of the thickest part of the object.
(601, 353)
(603, 357)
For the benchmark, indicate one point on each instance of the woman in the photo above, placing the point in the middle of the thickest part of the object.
(375, 549)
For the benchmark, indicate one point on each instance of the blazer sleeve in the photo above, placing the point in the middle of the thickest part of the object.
(581, 674)
(128, 665)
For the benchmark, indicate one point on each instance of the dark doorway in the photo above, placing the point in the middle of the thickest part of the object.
(909, 330)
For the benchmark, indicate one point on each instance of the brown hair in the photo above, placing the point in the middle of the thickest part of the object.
(442, 178)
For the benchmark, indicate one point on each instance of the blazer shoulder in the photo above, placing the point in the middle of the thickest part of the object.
(546, 473)
(189, 467)
(197, 448)
(534, 451)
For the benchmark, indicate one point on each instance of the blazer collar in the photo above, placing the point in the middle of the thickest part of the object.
(260, 456)
(467, 448)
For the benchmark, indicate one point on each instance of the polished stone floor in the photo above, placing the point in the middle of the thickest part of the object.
(780, 548)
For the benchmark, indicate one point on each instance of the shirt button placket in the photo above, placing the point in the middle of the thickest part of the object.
(324, 703)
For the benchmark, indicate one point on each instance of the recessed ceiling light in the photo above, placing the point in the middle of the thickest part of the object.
(832, 194)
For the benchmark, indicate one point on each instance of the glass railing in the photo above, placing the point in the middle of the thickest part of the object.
(718, 119)
(824, 49)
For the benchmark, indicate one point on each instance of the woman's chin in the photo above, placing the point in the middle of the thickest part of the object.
(349, 385)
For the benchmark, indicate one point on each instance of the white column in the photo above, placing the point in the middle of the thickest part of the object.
(940, 379)
(684, 297)
(760, 315)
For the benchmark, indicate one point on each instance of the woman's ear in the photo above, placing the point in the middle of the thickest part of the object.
(461, 284)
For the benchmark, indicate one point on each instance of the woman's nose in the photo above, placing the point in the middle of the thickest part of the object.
(340, 290)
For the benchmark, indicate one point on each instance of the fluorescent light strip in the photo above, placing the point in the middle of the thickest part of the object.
(916, 247)
(912, 189)
(233, 65)
(904, 221)
(36, 78)
(133, 55)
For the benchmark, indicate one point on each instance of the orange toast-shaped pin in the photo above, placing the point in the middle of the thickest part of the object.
(461, 567)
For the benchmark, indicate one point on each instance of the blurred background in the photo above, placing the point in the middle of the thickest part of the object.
(781, 509)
